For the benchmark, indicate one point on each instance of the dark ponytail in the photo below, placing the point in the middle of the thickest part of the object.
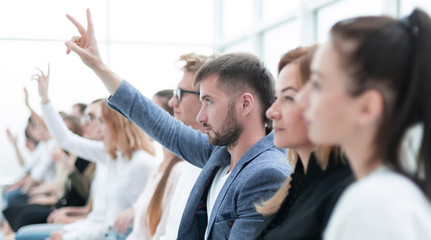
(394, 58)
(417, 102)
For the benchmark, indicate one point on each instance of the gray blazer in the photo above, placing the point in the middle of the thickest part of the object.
(255, 178)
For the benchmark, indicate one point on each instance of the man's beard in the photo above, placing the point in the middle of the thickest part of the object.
(230, 131)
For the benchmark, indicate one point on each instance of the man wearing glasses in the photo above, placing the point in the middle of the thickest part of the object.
(240, 164)
(185, 101)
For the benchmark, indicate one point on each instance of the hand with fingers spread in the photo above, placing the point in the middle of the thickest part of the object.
(43, 83)
(86, 48)
(85, 45)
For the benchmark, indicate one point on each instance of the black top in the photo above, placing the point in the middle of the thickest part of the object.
(305, 211)
(71, 196)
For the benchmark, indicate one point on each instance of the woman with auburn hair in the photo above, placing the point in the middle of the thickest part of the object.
(126, 151)
(155, 214)
(370, 84)
(302, 206)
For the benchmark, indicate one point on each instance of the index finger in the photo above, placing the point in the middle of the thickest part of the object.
(80, 28)
(90, 27)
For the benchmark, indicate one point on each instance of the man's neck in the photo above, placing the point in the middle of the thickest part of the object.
(248, 138)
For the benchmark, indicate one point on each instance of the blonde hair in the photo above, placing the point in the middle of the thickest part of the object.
(193, 62)
(272, 205)
(127, 135)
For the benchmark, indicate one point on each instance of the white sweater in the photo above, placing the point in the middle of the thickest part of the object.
(383, 205)
(125, 179)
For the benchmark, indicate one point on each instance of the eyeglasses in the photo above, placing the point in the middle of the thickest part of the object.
(178, 93)
(87, 118)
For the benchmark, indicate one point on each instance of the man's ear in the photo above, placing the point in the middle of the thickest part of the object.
(371, 106)
(247, 102)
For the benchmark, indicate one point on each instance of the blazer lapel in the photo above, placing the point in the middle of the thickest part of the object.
(261, 146)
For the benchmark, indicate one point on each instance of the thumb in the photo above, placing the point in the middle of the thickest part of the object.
(74, 48)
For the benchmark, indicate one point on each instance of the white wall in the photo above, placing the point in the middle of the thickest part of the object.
(140, 40)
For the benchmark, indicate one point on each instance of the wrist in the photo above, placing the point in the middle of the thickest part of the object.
(45, 100)
(99, 66)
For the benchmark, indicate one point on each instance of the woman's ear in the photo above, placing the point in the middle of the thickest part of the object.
(371, 106)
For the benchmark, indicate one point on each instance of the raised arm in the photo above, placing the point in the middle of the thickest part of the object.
(190, 145)
(85, 148)
(35, 116)
(165, 129)
(86, 47)
(13, 140)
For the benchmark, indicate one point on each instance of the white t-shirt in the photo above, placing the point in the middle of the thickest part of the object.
(216, 186)
(383, 205)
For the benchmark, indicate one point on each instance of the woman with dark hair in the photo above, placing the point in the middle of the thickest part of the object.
(302, 206)
(369, 86)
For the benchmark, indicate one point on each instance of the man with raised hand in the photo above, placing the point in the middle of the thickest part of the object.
(241, 166)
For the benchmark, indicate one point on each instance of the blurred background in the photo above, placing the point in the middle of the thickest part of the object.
(142, 39)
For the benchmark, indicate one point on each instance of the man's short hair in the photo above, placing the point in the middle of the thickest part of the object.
(238, 73)
(193, 61)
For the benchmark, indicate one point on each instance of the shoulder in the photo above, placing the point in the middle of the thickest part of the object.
(384, 195)
(385, 185)
(141, 155)
(141, 158)
(383, 204)
(269, 162)
(183, 176)
(185, 168)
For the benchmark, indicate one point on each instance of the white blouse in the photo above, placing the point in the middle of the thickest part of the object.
(42, 167)
(180, 182)
(125, 179)
(383, 205)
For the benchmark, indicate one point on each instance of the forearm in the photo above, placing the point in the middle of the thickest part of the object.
(111, 80)
(29, 183)
(45, 188)
(85, 148)
(19, 156)
(185, 142)
(77, 211)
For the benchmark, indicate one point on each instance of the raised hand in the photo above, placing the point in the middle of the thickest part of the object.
(86, 48)
(85, 45)
(43, 83)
